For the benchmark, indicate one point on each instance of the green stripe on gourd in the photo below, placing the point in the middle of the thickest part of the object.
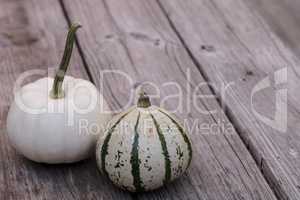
(184, 135)
(104, 148)
(164, 151)
(135, 162)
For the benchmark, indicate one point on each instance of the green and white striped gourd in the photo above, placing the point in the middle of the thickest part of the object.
(144, 148)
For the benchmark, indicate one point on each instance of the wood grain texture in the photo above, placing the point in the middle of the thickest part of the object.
(135, 38)
(243, 50)
(32, 36)
(283, 17)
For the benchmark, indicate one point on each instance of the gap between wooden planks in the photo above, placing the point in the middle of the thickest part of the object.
(246, 51)
(135, 37)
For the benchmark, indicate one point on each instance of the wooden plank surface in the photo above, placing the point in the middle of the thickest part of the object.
(135, 37)
(231, 42)
(283, 16)
(32, 36)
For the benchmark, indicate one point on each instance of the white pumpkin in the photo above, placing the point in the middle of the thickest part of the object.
(144, 148)
(59, 124)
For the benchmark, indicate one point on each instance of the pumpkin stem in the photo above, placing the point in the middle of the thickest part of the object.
(143, 101)
(57, 92)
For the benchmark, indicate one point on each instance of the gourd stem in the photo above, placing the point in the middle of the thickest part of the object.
(57, 91)
(143, 101)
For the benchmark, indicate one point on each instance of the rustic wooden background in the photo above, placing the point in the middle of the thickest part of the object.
(219, 41)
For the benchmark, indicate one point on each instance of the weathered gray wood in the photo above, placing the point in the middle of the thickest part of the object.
(135, 38)
(32, 36)
(283, 16)
(244, 50)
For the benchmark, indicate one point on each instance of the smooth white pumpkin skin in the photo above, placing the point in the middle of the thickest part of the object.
(152, 163)
(52, 135)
